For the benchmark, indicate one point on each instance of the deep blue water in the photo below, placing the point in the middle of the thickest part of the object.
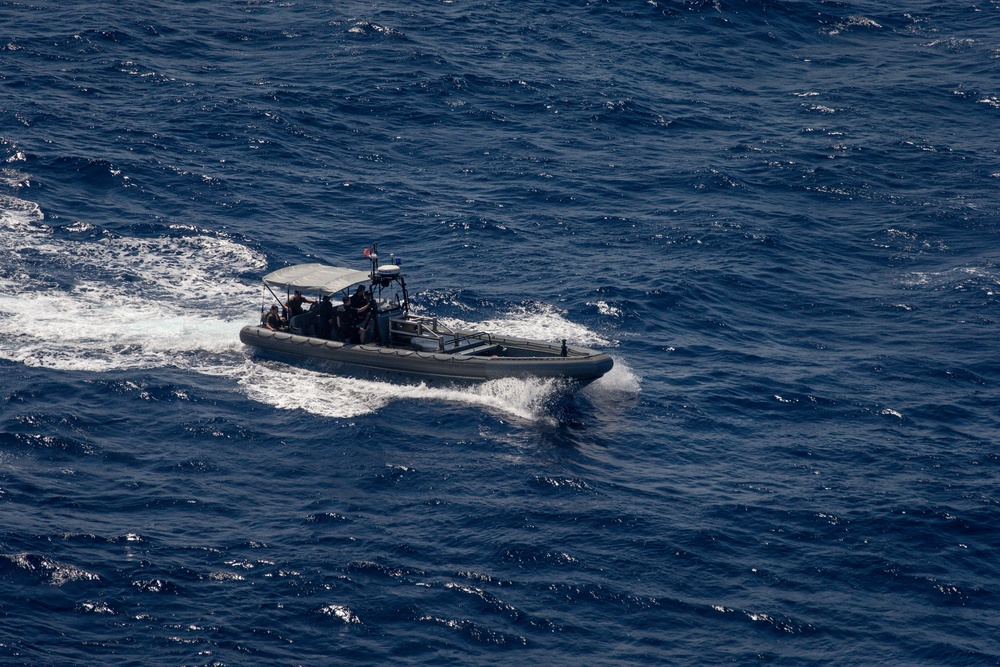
(779, 216)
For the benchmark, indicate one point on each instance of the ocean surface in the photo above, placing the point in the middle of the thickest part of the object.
(780, 217)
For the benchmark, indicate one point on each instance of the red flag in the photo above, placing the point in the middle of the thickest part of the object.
(367, 252)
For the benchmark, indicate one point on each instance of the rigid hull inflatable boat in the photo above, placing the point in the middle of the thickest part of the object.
(375, 331)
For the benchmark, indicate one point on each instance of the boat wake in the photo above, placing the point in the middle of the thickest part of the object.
(538, 321)
(326, 395)
(79, 298)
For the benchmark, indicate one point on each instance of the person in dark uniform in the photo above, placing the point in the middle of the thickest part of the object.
(273, 320)
(359, 300)
(325, 317)
(345, 316)
(294, 304)
(361, 305)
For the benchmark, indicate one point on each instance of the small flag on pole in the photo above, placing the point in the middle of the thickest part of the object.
(367, 252)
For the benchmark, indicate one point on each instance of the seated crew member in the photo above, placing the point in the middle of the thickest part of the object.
(273, 320)
(294, 304)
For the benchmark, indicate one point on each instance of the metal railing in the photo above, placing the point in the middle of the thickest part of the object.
(418, 326)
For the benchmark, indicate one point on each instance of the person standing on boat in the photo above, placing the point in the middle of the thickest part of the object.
(294, 304)
(360, 300)
(360, 306)
(325, 317)
(273, 320)
(344, 319)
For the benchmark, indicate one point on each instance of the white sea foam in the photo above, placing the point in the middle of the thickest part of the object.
(293, 388)
(983, 278)
(620, 380)
(121, 303)
(539, 321)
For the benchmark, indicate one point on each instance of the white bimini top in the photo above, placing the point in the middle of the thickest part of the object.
(315, 278)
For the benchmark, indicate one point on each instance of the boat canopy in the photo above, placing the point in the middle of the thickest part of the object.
(315, 278)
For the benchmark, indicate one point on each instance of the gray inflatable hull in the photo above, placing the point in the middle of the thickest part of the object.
(520, 358)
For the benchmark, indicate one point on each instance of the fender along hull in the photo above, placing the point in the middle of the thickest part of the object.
(520, 358)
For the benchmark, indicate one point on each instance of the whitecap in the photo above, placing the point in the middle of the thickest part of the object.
(343, 612)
